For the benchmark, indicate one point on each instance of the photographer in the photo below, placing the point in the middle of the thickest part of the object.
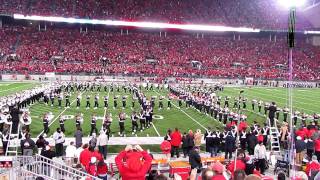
(133, 163)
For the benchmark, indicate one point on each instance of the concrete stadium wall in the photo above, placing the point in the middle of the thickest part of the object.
(226, 82)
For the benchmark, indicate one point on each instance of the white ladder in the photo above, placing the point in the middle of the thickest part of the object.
(13, 143)
(274, 140)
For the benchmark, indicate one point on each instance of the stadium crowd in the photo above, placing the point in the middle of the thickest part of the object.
(257, 14)
(222, 57)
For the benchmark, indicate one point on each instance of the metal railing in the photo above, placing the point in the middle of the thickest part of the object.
(39, 166)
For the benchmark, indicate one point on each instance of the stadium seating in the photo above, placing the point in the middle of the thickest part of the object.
(220, 57)
(260, 14)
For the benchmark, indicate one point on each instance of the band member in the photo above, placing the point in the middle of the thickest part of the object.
(115, 103)
(236, 101)
(253, 103)
(133, 102)
(161, 102)
(46, 124)
(107, 123)
(93, 124)
(79, 120)
(60, 97)
(105, 100)
(61, 123)
(295, 117)
(122, 118)
(88, 102)
(78, 103)
(52, 98)
(2, 120)
(266, 106)
(225, 115)
(260, 105)
(25, 119)
(98, 87)
(226, 101)
(278, 113)
(169, 102)
(124, 102)
(105, 88)
(304, 117)
(96, 101)
(243, 140)
(285, 114)
(265, 132)
(149, 113)
(315, 118)
(67, 100)
(134, 120)
(180, 101)
(220, 114)
(142, 116)
(244, 103)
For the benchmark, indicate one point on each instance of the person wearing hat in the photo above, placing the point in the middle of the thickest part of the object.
(218, 169)
(133, 163)
(91, 168)
(48, 153)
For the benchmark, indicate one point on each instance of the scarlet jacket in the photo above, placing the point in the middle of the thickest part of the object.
(133, 165)
(176, 138)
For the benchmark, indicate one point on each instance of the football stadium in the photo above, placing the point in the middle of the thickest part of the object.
(135, 89)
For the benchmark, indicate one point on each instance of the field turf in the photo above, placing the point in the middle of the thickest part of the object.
(304, 100)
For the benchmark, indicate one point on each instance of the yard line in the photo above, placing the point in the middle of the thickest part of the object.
(155, 129)
(185, 113)
(59, 115)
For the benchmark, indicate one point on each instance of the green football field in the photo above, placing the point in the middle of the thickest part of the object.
(304, 100)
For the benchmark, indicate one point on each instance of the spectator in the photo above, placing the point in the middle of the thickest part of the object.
(207, 174)
(185, 144)
(58, 137)
(102, 143)
(175, 142)
(312, 168)
(317, 147)
(71, 153)
(134, 168)
(28, 145)
(41, 142)
(310, 148)
(93, 140)
(252, 177)
(240, 165)
(281, 176)
(102, 170)
(166, 148)
(260, 154)
(218, 169)
(239, 175)
(85, 156)
(190, 140)
(97, 154)
(195, 159)
(252, 142)
(78, 136)
(91, 168)
(47, 153)
(197, 138)
(79, 150)
(300, 148)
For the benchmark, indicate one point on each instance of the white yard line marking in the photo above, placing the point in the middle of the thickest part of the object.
(185, 113)
(59, 115)
(155, 129)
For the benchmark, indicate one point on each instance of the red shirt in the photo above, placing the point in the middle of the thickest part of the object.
(176, 138)
(317, 145)
(240, 166)
(301, 133)
(218, 177)
(102, 169)
(85, 157)
(97, 155)
(312, 166)
(138, 169)
(165, 147)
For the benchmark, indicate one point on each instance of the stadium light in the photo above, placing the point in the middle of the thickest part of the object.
(292, 3)
(154, 25)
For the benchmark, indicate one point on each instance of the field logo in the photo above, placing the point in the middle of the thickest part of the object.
(157, 117)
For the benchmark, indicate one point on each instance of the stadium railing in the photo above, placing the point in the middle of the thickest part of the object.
(39, 166)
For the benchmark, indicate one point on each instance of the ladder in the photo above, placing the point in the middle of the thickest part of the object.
(13, 143)
(274, 137)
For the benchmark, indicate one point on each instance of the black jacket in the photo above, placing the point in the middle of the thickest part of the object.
(195, 160)
(190, 141)
(230, 143)
(184, 142)
(252, 141)
(272, 111)
(300, 146)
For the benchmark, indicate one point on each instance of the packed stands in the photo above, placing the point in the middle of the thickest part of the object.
(222, 57)
(259, 14)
